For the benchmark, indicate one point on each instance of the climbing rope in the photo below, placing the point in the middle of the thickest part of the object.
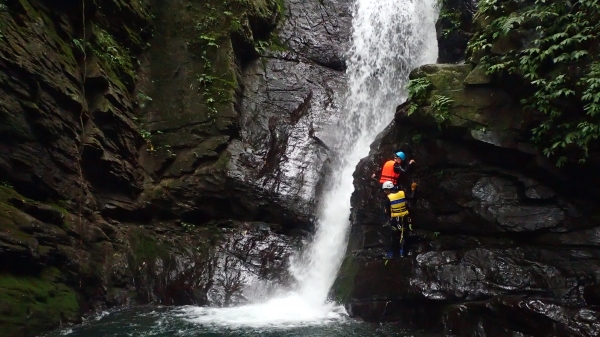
(81, 113)
(401, 229)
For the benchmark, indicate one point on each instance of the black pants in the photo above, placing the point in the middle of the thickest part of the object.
(397, 237)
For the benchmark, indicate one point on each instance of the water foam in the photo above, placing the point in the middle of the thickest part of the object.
(290, 311)
(390, 38)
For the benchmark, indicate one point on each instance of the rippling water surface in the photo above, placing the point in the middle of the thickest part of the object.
(189, 321)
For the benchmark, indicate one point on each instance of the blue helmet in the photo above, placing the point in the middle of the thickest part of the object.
(401, 155)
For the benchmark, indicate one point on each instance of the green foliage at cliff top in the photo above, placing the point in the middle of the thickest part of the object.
(552, 46)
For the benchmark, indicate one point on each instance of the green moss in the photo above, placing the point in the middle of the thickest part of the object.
(59, 208)
(344, 284)
(116, 60)
(223, 161)
(144, 247)
(29, 305)
(215, 22)
(7, 192)
(110, 51)
(11, 219)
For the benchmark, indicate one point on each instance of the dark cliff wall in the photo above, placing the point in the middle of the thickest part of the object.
(504, 242)
(68, 144)
(454, 29)
(157, 151)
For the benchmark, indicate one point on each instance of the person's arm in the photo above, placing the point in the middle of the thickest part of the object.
(411, 194)
(399, 169)
(378, 169)
(385, 205)
(374, 175)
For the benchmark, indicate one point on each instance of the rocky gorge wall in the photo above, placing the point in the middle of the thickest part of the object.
(158, 151)
(504, 242)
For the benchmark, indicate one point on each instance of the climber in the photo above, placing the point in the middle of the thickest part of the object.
(392, 169)
(397, 217)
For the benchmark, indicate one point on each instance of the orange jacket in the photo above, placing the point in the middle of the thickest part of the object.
(388, 174)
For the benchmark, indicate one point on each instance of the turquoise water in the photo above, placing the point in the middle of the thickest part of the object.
(163, 322)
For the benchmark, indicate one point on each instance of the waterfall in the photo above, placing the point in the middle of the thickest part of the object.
(390, 38)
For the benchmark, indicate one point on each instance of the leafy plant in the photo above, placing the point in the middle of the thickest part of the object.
(411, 108)
(216, 21)
(143, 98)
(109, 50)
(209, 41)
(419, 88)
(147, 135)
(449, 19)
(79, 43)
(261, 47)
(440, 106)
(188, 227)
(559, 66)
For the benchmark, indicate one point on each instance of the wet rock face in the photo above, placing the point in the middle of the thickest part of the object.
(287, 105)
(52, 272)
(214, 265)
(156, 152)
(502, 243)
(290, 104)
(454, 29)
(61, 106)
(319, 31)
(261, 156)
(535, 317)
(68, 145)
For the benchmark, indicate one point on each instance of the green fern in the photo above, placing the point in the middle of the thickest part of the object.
(440, 106)
(558, 65)
(418, 88)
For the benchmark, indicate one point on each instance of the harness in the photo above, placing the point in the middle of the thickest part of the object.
(400, 220)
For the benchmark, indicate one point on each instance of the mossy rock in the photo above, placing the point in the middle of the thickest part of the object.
(11, 218)
(145, 248)
(30, 305)
(468, 106)
(443, 76)
(344, 284)
(478, 76)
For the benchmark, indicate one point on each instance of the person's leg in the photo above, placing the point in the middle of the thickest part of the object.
(395, 237)
(390, 235)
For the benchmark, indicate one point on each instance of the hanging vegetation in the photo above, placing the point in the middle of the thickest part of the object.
(556, 56)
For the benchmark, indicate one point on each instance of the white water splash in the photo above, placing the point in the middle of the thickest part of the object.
(390, 38)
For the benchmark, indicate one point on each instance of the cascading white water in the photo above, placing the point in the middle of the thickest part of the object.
(390, 38)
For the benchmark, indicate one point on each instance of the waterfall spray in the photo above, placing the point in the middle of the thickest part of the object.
(390, 38)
